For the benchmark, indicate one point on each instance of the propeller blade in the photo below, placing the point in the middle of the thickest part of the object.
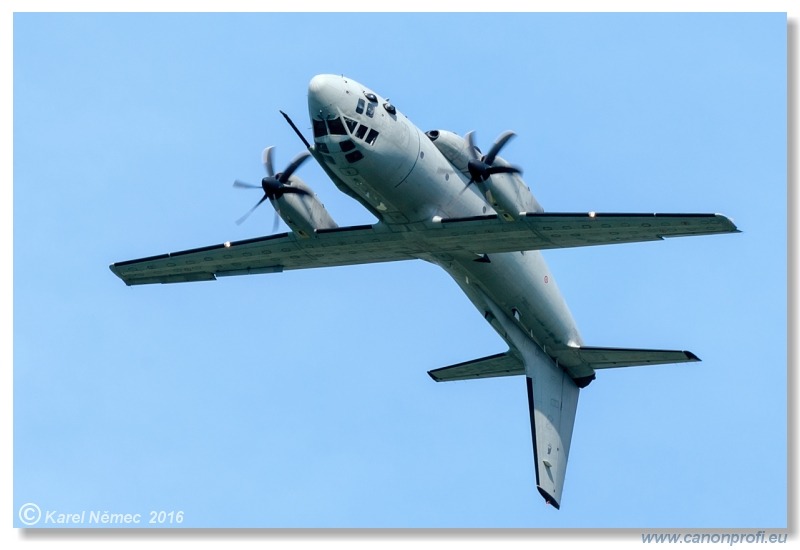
(499, 144)
(473, 153)
(292, 190)
(294, 165)
(244, 185)
(504, 170)
(470, 182)
(266, 159)
(247, 215)
(276, 220)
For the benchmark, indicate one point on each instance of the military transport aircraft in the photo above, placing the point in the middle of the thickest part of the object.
(438, 198)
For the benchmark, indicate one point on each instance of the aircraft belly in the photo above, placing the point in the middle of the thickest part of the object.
(523, 287)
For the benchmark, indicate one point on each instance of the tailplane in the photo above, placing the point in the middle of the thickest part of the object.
(609, 358)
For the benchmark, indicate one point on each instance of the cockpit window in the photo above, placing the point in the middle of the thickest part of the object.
(360, 106)
(362, 130)
(319, 128)
(335, 126)
(371, 137)
(351, 124)
(355, 156)
(370, 109)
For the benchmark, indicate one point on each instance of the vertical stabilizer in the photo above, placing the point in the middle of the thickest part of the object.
(552, 402)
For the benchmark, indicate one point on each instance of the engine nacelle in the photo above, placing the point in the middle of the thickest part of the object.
(505, 192)
(303, 212)
(508, 194)
(454, 148)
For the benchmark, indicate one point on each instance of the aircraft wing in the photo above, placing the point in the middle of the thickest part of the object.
(272, 254)
(541, 231)
(383, 243)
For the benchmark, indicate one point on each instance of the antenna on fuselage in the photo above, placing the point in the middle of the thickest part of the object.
(296, 131)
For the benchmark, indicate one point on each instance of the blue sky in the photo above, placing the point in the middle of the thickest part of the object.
(302, 399)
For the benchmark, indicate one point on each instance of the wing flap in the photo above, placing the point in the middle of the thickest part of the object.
(502, 364)
(167, 279)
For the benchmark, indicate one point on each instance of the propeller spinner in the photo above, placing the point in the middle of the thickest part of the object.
(274, 185)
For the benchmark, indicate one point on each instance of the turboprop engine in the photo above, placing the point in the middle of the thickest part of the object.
(498, 181)
(293, 200)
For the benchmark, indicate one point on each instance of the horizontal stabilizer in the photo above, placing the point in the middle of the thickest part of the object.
(608, 358)
(502, 364)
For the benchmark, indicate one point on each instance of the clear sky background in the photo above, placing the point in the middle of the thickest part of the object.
(301, 399)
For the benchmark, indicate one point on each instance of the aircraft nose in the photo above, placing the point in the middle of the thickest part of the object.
(325, 91)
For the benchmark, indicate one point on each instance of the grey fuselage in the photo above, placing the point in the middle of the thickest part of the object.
(408, 178)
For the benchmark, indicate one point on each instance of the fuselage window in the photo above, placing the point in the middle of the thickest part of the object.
(370, 110)
(319, 128)
(335, 126)
(351, 124)
(371, 137)
(355, 156)
(362, 130)
(347, 145)
(360, 106)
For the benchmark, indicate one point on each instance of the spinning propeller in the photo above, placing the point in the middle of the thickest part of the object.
(274, 185)
(480, 168)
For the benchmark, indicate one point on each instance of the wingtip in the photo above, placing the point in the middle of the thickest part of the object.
(115, 271)
(729, 222)
(691, 356)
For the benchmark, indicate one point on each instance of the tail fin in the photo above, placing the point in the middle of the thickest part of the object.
(552, 403)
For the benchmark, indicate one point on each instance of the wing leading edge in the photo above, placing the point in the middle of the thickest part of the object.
(384, 243)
